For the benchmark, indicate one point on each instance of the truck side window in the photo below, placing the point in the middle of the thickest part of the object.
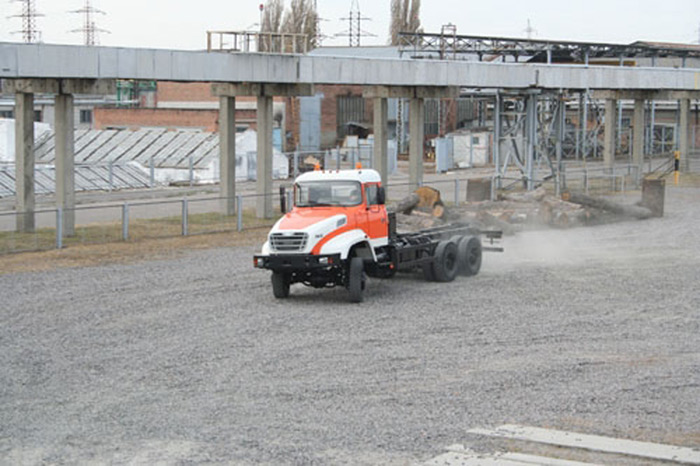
(371, 193)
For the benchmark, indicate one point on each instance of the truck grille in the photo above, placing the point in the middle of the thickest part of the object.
(289, 242)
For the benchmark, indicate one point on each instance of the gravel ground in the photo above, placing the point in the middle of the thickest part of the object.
(193, 361)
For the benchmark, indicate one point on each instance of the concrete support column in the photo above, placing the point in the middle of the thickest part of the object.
(24, 161)
(381, 139)
(609, 141)
(684, 142)
(65, 161)
(227, 148)
(415, 153)
(638, 134)
(264, 161)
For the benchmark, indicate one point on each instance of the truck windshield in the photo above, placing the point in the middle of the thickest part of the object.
(327, 193)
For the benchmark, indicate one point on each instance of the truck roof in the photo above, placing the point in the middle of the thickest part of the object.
(364, 175)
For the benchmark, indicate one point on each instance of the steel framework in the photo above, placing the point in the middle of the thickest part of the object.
(30, 33)
(452, 46)
(90, 30)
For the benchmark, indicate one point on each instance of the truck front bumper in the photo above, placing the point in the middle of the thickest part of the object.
(289, 263)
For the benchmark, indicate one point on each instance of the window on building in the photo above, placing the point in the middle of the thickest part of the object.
(432, 117)
(86, 116)
(351, 109)
(37, 115)
(7, 113)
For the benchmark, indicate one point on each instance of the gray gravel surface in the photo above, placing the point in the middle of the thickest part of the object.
(193, 361)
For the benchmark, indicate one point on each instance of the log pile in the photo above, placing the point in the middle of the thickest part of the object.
(513, 212)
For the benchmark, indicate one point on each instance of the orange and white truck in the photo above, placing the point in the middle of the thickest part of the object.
(338, 232)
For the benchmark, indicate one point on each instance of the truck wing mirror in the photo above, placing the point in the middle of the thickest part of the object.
(381, 196)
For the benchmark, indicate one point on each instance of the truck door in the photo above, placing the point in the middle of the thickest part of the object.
(377, 219)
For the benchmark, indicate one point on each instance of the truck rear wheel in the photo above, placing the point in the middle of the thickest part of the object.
(356, 279)
(469, 248)
(280, 285)
(446, 263)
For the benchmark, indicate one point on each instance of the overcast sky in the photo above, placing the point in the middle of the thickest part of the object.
(182, 25)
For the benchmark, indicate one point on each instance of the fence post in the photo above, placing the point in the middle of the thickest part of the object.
(125, 221)
(337, 158)
(152, 172)
(290, 199)
(191, 171)
(456, 192)
(185, 225)
(296, 163)
(59, 228)
(239, 212)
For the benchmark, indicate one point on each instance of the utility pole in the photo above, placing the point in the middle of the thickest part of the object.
(529, 30)
(30, 33)
(90, 30)
(355, 31)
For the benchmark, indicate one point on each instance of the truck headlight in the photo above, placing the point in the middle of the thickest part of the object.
(325, 260)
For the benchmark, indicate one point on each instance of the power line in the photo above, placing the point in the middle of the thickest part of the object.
(30, 33)
(90, 30)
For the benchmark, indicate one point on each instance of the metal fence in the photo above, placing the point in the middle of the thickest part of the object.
(129, 221)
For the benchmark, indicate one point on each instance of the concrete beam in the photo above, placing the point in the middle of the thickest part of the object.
(649, 94)
(227, 148)
(638, 134)
(61, 86)
(24, 161)
(82, 62)
(417, 139)
(262, 89)
(88, 86)
(381, 139)
(410, 92)
(264, 158)
(65, 161)
(609, 140)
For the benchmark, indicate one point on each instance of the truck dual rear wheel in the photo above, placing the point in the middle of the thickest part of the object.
(446, 264)
(469, 248)
(280, 285)
(356, 279)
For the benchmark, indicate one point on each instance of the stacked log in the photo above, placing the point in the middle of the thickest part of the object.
(513, 212)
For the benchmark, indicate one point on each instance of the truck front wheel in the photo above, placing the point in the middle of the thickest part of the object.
(356, 279)
(280, 285)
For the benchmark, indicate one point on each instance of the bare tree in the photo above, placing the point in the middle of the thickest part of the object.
(271, 23)
(405, 17)
(302, 18)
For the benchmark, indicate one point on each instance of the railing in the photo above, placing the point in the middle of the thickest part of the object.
(261, 42)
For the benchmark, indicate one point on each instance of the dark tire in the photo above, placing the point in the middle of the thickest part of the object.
(357, 281)
(469, 248)
(446, 263)
(280, 285)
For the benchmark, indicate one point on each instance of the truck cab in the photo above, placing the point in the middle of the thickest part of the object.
(336, 229)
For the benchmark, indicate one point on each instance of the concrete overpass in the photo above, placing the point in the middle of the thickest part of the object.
(67, 70)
